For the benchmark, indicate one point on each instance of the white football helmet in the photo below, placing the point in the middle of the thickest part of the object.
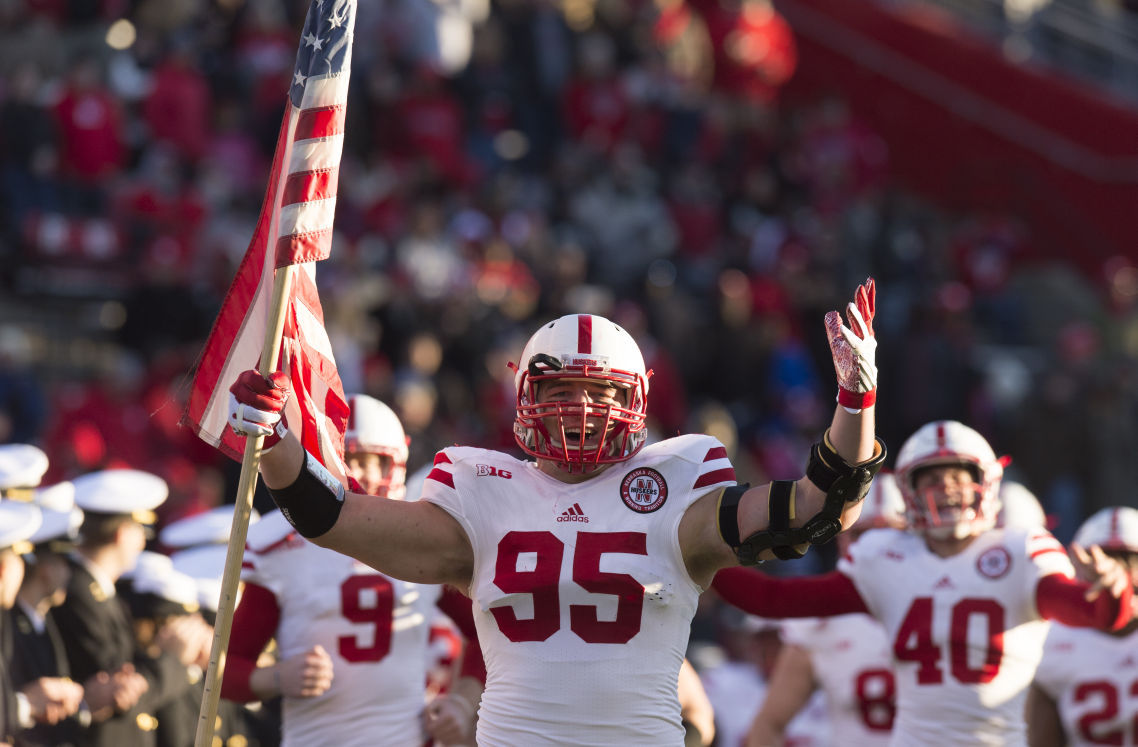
(1019, 508)
(883, 506)
(576, 347)
(947, 442)
(1112, 528)
(374, 428)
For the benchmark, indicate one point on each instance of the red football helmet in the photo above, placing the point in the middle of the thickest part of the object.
(947, 442)
(581, 435)
(373, 428)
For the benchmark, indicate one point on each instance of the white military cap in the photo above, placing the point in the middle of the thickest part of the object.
(149, 562)
(57, 497)
(164, 582)
(21, 466)
(205, 528)
(59, 529)
(129, 492)
(204, 564)
(18, 522)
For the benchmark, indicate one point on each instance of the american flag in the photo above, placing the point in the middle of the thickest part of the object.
(296, 222)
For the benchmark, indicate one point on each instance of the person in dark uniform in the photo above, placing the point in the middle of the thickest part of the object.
(238, 725)
(95, 625)
(25, 702)
(18, 521)
(161, 599)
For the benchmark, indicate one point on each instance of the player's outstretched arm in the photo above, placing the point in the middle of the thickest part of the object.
(789, 689)
(783, 518)
(411, 540)
(1101, 596)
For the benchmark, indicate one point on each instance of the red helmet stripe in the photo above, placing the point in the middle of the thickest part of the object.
(1114, 533)
(584, 333)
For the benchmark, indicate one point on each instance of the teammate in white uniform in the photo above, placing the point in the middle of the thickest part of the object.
(352, 643)
(585, 565)
(848, 657)
(1086, 689)
(963, 603)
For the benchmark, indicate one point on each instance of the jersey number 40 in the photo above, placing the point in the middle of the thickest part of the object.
(914, 641)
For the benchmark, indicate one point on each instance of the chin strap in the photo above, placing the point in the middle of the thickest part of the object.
(843, 484)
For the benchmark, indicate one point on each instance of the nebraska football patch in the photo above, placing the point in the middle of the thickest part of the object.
(995, 562)
(644, 490)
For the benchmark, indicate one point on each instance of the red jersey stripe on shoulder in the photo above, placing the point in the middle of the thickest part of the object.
(439, 475)
(718, 452)
(584, 333)
(727, 474)
(442, 458)
(1046, 550)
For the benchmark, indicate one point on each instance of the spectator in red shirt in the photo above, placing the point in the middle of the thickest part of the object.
(91, 135)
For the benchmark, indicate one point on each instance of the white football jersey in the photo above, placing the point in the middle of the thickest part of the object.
(853, 666)
(1093, 678)
(581, 597)
(964, 630)
(373, 627)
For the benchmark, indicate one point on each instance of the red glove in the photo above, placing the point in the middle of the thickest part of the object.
(855, 349)
(256, 405)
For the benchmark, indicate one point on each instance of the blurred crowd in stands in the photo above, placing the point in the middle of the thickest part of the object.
(504, 166)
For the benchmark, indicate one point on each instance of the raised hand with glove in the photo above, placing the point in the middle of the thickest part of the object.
(854, 349)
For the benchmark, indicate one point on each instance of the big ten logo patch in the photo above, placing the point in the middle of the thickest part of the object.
(485, 470)
(644, 490)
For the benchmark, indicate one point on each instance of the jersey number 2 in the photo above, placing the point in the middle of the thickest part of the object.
(1089, 723)
(915, 641)
(541, 583)
(377, 613)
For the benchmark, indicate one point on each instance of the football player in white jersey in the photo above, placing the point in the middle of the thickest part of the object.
(1086, 689)
(352, 643)
(847, 657)
(964, 603)
(585, 565)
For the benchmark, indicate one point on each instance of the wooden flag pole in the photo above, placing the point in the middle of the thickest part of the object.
(270, 353)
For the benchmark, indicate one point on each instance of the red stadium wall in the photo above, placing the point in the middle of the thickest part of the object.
(972, 130)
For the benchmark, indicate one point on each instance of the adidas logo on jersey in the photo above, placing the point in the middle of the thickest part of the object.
(944, 583)
(574, 513)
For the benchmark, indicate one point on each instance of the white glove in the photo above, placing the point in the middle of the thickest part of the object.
(854, 349)
(246, 420)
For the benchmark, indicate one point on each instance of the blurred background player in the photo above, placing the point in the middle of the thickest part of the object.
(352, 644)
(95, 625)
(737, 684)
(847, 656)
(1086, 689)
(1019, 507)
(964, 603)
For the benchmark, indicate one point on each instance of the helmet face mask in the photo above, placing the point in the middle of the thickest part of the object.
(959, 497)
(581, 392)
